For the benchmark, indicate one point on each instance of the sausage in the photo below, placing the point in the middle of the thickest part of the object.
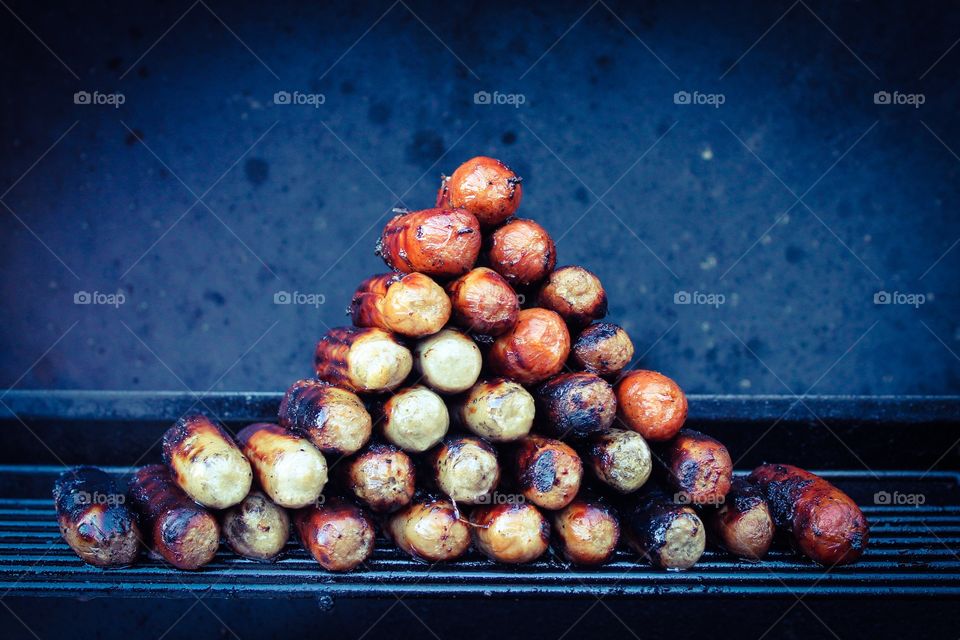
(483, 302)
(449, 361)
(430, 529)
(184, 534)
(362, 360)
(547, 471)
(94, 518)
(825, 524)
(499, 410)
(666, 534)
(576, 405)
(256, 528)
(651, 404)
(411, 305)
(415, 419)
(339, 535)
(576, 294)
(206, 462)
(587, 531)
(522, 252)
(534, 350)
(439, 242)
(512, 533)
(698, 467)
(743, 524)
(288, 468)
(465, 468)
(485, 187)
(333, 419)
(620, 459)
(602, 348)
(382, 477)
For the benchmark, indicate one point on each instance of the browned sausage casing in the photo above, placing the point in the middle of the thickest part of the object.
(651, 404)
(534, 350)
(576, 294)
(465, 468)
(827, 526)
(698, 467)
(587, 531)
(547, 471)
(430, 529)
(289, 469)
(411, 305)
(94, 518)
(185, 534)
(483, 302)
(620, 459)
(362, 360)
(256, 528)
(339, 535)
(485, 187)
(576, 405)
(206, 462)
(510, 533)
(743, 524)
(333, 419)
(439, 242)
(382, 477)
(522, 252)
(667, 535)
(602, 348)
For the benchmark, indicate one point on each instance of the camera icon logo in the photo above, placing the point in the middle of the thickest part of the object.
(482, 97)
(882, 497)
(681, 97)
(682, 297)
(81, 97)
(881, 297)
(281, 97)
(881, 97)
(282, 297)
(82, 297)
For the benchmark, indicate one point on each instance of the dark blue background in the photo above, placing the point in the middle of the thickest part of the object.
(300, 210)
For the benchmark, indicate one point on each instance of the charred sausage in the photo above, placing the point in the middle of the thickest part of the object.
(449, 361)
(439, 242)
(511, 533)
(576, 294)
(499, 410)
(411, 305)
(587, 531)
(430, 529)
(698, 467)
(465, 468)
(522, 252)
(667, 535)
(415, 419)
(576, 405)
(651, 404)
(288, 468)
(743, 524)
(534, 350)
(256, 528)
(485, 187)
(382, 477)
(339, 535)
(602, 348)
(483, 302)
(362, 360)
(547, 471)
(333, 419)
(620, 459)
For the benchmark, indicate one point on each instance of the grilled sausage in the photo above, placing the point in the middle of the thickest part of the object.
(651, 404)
(382, 477)
(362, 360)
(430, 529)
(288, 468)
(826, 525)
(743, 524)
(184, 534)
(94, 518)
(411, 305)
(698, 467)
(206, 462)
(256, 528)
(667, 535)
(576, 294)
(499, 410)
(483, 302)
(333, 419)
(439, 242)
(449, 361)
(547, 471)
(587, 531)
(339, 535)
(534, 350)
(522, 252)
(465, 468)
(602, 348)
(576, 405)
(485, 187)
(620, 459)
(415, 419)
(510, 533)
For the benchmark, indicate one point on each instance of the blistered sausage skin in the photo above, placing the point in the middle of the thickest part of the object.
(499, 410)
(547, 471)
(465, 468)
(411, 305)
(620, 459)
(511, 533)
(362, 359)
(94, 518)
(289, 468)
(651, 404)
(534, 349)
(483, 302)
(182, 532)
(698, 467)
(826, 525)
(439, 242)
(665, 534)
(743, 524)
(430, 529)
(485, 187)
(575, 405)
(576, 294)
(256, 528)
(587, 531)
(602, 348)
(339, 535)
(382, 477)
(333, 419)
(206, 462)
(522, 252)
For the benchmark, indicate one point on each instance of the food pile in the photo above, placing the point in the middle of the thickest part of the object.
(478, 399)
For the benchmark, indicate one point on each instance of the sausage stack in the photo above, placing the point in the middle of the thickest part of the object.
(479, 398)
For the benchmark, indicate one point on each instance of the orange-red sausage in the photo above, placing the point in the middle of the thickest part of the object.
(522, 252)
(698, 467)
(547, 471)
(483, 302)
(485, 187)
(534, 350)
(651, 404)
(439, 242)
(339, 535)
